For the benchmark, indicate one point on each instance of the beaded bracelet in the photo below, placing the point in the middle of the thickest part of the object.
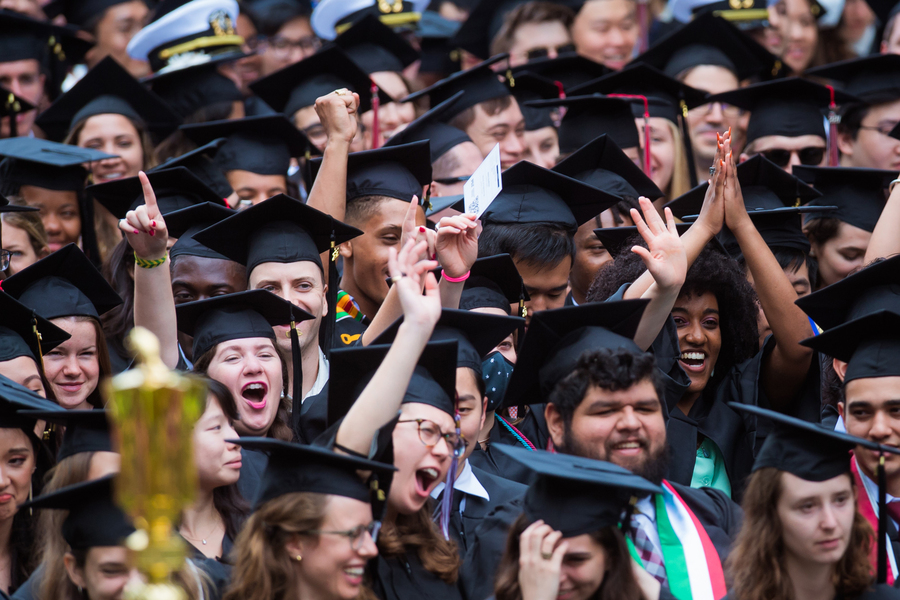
(455, 279)
(148, 264)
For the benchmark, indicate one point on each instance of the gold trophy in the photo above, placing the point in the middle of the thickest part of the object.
(153, 411)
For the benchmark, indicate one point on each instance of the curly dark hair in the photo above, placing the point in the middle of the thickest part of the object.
(711, 272)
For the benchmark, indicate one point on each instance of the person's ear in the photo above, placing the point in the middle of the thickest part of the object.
(295, 548)
(845, 143)
(325, 301)
(555, 424)
(484, 405)
(840, 367)
(75, 574)
(346, 249)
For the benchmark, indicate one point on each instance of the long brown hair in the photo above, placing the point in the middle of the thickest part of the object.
(263, 570)
(619, 583)
(418, 533)
(756, 563)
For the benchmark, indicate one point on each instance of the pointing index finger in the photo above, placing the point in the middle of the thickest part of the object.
(149, 195)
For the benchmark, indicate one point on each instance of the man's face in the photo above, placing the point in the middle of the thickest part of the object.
(293, 42)
(24, 79)
(471, 409)
(705, 121)
(546, 37)
(606, 31)
(506, 128)
(541, 147)
(625, 427)
(788, 152)
(873, 148)
(871, 410)
(252, 188)
(547, 285)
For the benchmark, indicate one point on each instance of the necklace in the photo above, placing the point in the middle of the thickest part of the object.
(201, 539)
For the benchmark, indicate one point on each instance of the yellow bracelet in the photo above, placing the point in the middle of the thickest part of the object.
(148, 264)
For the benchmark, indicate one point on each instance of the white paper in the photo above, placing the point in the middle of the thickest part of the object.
(484, 184)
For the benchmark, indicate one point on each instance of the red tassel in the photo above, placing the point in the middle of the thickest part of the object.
(833, 120)
(376, 104)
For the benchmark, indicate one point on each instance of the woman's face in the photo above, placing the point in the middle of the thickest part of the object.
(106, 572)
(113, 134)
(508, 346)
(393, 114)
(24, 371)
(583, 568)
(73, 367)
(218, 462)
(541, 147)
(662, 151)
(59, 214)
(842, 254)
(331, 567)
(799, 33)
(699, 336)
(21, 252)
(16, 467)
(816, 518)
(419, 468)
(252, 371)
(116, 28)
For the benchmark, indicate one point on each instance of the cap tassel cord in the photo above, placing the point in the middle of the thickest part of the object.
(12, 103)
(882, 522)
(686, 142)
(39, 338)
(646, 123)
(833, 120)
(376, 104)
(297, 366)
(326, 331)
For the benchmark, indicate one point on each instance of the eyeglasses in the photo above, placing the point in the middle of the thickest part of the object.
(728, 110)
(254, 42)
(357, 535)
(452, 180)
(282, 46)
(882, 129)
(4, 259)
(544, 52)
(430, 434)
(811, 156)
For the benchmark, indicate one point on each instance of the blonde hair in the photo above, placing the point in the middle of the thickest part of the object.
(681, 179)
(30, 223)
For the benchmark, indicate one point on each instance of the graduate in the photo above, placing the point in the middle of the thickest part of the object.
(24, 339)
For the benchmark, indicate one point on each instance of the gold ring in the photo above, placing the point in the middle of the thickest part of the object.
(397, 278)
(339, 92)
(546, 556)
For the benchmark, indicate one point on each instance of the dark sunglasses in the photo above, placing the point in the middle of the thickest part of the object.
(543, 52)
(808, 156)
(452, 180)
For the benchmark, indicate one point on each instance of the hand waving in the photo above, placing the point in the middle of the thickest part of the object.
(664, 256)
(410, 275)
(457, 244)
(144, 227)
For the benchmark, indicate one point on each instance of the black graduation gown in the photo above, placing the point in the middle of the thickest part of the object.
(533, 426)
(406, 578)
(218, 570)
(31, 588)
(253, 463)
(347, 330)
(313, 414)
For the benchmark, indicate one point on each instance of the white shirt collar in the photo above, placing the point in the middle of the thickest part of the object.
(466, 482)
(321, 376)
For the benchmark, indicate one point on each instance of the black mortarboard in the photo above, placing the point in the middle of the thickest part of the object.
(374, 46)
(299, 85)
(439, 203)
(295, 468)
(532, 194)
(789, 107)
(619, 240)
(871, 78)
(602, 164)
(188, 90)
(435, 33)
(44, 164)
(433, 380)
(79, 12)
(279, 229)
(22, 38)
(895, 132)
(108, 89)
(859, 194)
(709, 40)
(576, 495)
(202, 163)
(480, 84)
(494, 282)
(874, 288)
(557, 338)
(7, 207)
(262, 144)
(589, 116)
(175, 188)
(476, 334)
(86, 430)
(11, 106)
(14, 398)
(441, 137)
(184, 223)
(869, 345)
(394, 171)
(235, 316)
(569, 69)
(94, 519)
(529, 87)
(17, 331)
(63, 284)
(808, 450)
(482, 25)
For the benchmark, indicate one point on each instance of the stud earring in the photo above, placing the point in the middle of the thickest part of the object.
(298, 558)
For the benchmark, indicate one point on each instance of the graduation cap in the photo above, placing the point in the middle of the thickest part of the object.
(788, 107)
(576, 495)
(184, 223)
(374, 46)
(589, 116)
(300, 84)
(859, 194)
(874, 288)
(296, 468)
(569, 69)
(394, 171)
(108, 89)
(482, 26)
(869, 345)
(533, 195)
(437, 53)
(15, 398)
(86, 430)
(11, 106)
(94, 518)
(175, 188)
(332, 17)
(441, 137)
(439, 203)
(710, 40)
(476, 334)
(201, 162)
(529, 87)
(494, 282)
(557, 338)
(619, 240)
(24, 333)
(602, 164)
(188, 90)
(79, 12)
(45, 164)
(872, 78)
(263, 144)
(480, 84)
(197, 32)
(64, 284)
(237, 316)
(7, 207)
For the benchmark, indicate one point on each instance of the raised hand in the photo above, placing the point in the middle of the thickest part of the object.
(337, 113)
(664, 256)
(735, 211)
(712, 213)
(410, 275)
(457, 244)
(418, 233)
(144, 227)
(540, 561)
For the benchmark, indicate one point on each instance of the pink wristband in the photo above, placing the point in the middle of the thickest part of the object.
(455, 279)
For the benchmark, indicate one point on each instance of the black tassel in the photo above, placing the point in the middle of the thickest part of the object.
(882, 522)
(688, 147)
(297, 389)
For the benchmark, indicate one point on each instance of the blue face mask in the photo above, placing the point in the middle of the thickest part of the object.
(496, 370)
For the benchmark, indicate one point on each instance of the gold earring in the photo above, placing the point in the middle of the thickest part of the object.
(30, 497)
(298, 558)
